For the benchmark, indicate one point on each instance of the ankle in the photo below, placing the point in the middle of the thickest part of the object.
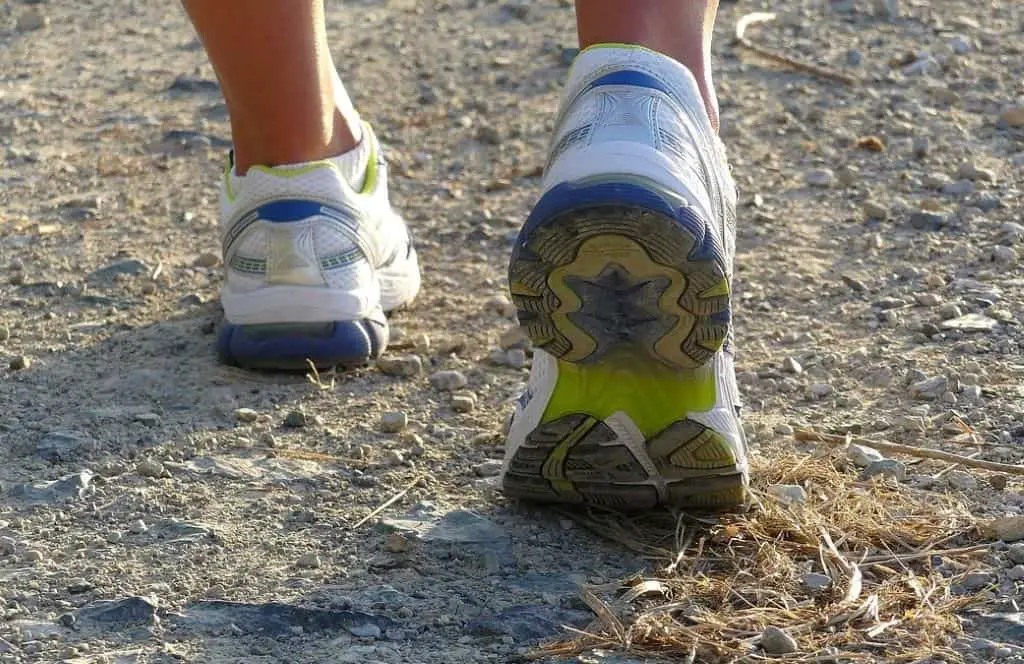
(294, 146)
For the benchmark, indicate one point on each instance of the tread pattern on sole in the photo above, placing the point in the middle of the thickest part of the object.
(578, 459)
(607, 265)
(292, 346)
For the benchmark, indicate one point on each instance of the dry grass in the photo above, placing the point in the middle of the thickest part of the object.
(721, 581)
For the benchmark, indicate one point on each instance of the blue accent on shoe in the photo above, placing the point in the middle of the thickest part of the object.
(630, 77)
(297, 209)
(570, 196)
(288, 347)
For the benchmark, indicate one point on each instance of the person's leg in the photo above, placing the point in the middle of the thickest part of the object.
(621, 276)
(681, 29)
(284, 96)
(313, 253)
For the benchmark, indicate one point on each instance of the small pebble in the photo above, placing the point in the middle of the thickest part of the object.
(396, 543)
(775, 641)
(815, 582)
(150, 468)
(1016, 572)
(5, 333)
(977, 580)
(393, 422)
(33, 556)
(783, 429)
(448, 381)
(889, 468)
(875, 210)
(308, 561)
(365, 631)
(19, 362)
(862, 456)
(138, 527)
(207, 259)
(246, 415)
(489, 468)
(32, 19)
(500, 305)
(821, 177)
(514, 337)
(788, 494)
(821, 390)
(296, 419)
(1016, 553)
(516, 358)
(463, 403)
(402, 365)
(1004, 255)
(394, 458)
(790, 365)
(961, 480)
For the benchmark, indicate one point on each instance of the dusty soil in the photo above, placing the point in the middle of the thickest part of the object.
(880, 293)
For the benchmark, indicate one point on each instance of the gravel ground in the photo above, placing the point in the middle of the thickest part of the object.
(155, 507)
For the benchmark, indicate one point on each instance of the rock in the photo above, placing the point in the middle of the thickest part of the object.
(448, 381)
(775, 641)
(501, 306)
(489, 135)
(8, 545)
(929, 388)
(788, 494)
(138, 527)
(150, 468)
(130, 266)
(68, 488)
(5, 333)
(402, 365)
(33, 556)
(821, 177)
(514, 337)
(32, 19)
(790, 365)
(365, 630)
(862, 456)
(1007, 529)
(207, 259)
(976, 580)
(820, 390)
(854, 58)
(308, 561)
(246, 415)
(958, 188)
(116, 613)
(184, 83)
(1016, 553)
(1013, 117)
(928, 299)
(1016, 573)
(567, 56)
(961, 480)
(889, 468)
(970, 171)
(396, 543)
(949, 310)
(394, 458)
(783, 429)
(960, 45)
(875, 210)
(815, 582)
(79, 585)
(516, 358)
(519, 10)
(970, 393)
(488, 468)
(463, 403)
(970, 323)
(848, 176)
(1004, 255)
(922, 146)
(296, 419)
(927, 221)
(393, 422)
(19, 363)
(7, 646)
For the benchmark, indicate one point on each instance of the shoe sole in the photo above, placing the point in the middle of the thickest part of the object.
(602, 265)
(629, 292)
(293, 346)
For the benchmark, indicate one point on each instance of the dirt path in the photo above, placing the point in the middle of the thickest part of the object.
(879, 293)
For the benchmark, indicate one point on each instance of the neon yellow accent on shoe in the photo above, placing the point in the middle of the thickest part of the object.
(708, 450)
(714, 345)
(519, 288)
(652, 394)
(718, 290)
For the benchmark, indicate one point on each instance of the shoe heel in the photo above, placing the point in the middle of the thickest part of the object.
(605, 264)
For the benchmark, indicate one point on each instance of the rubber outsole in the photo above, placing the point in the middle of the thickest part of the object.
(578, 459)
(600, 265)
(293, 346)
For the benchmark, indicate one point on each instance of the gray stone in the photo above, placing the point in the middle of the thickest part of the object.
(463, 403)
(488, 468)
(64, 446)
(193, 84)
(929, 388)
(950, 310)
(790, 365)
(393, 422)
(977, 580)
(821, 177)
(927, 221)
(246, 415)
(820, 390)
(890, 468)
(775, 641)
(402, 365)
(150, 468)
(448, 381)
(308, 561)
(959, 188)
(1016, 553)
(788, 494)
(1005, 255)
(960, 45)
(815, 582)
(528, 623)
(68, 488)
(129, 266)
(970, 323)
(961, 480)
(1016, 573)
(970, 393)
(783, 429)
(862, 456)
(366, 630)
(296, 419)
(32, 19)
(116, 613)
(875, 210)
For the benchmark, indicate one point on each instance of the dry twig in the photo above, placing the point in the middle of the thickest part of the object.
(389, 502)
(763, 17)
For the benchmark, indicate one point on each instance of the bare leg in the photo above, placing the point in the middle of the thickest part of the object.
(680, 29)
(283, 93)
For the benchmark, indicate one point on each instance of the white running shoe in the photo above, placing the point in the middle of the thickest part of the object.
(311, 265)
(622, 276)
